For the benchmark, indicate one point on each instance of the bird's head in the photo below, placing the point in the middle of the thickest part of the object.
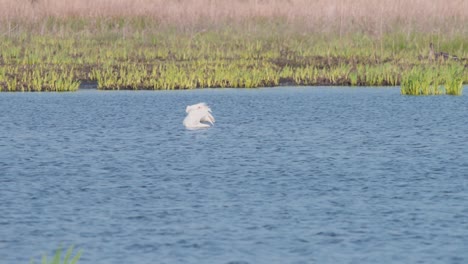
(196, 107)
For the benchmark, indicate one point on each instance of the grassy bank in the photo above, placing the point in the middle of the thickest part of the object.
(174, 47)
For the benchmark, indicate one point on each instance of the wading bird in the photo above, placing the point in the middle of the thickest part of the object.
(439, 55)
(196, 114)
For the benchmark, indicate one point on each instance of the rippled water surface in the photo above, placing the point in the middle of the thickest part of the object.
(287, 175)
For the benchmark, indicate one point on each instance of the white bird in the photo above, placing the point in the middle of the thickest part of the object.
(196, 114)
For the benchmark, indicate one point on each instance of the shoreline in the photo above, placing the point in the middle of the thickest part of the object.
(230, 56)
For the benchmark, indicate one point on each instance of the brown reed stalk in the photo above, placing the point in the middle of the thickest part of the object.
(342, 16)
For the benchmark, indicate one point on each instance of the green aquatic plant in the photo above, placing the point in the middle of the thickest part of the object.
(454, 81)
(57, 258)
(420, 81)
(433, 81)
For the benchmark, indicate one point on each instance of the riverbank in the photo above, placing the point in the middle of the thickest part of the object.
(50, 52)
(174, 60)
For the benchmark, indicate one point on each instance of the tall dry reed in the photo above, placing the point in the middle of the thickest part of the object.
(342, 16)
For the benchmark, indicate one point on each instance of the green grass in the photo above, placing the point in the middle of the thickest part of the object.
(433, 81)
(57, 258)
(267, 55)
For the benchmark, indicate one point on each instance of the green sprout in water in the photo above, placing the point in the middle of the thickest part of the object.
(57, 258)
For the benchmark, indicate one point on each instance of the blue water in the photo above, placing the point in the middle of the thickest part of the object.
(286, 175)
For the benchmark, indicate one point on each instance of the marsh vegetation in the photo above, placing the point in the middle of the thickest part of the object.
(58, 258)
(197, 44)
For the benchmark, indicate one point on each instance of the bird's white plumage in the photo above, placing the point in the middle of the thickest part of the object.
(196, 114)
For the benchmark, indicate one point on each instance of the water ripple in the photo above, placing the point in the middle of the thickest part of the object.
(287, 175)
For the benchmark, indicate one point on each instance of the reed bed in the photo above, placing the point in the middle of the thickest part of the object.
(372, 16)
(433, 81)
(47, 45)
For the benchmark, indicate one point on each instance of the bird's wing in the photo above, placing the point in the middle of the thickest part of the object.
(194, 118)
(208, 118)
